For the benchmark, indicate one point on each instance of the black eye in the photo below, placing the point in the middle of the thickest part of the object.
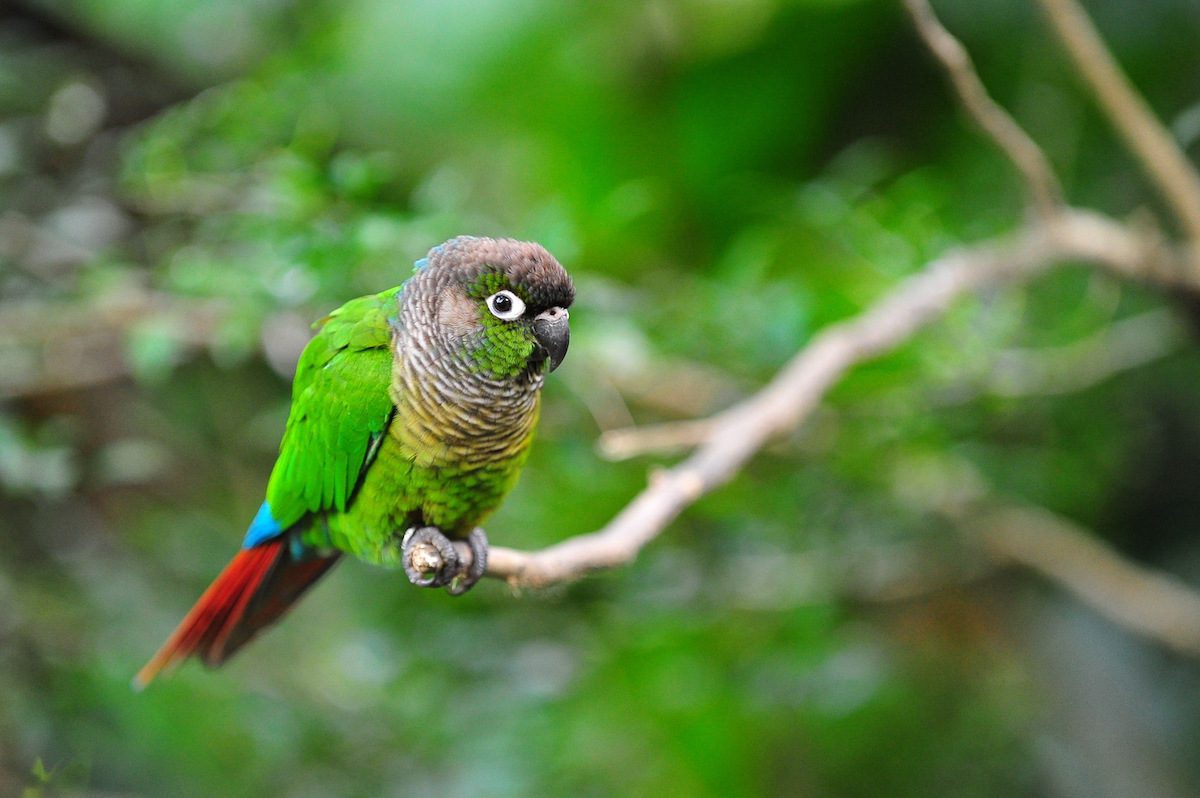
(505, 305)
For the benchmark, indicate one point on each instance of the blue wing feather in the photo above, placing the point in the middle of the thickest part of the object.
(262, 528)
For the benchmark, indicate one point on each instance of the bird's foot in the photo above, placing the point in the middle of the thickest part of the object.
(478, 543)
(431, 559)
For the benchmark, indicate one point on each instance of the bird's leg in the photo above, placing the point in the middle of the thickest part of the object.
(429, 557)
(464, 581)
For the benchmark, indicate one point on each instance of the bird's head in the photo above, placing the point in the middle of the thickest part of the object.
(500, 303)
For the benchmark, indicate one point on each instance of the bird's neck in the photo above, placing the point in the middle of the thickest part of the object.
(450, 414)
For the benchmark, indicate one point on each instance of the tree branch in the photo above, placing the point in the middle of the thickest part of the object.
(1145, 601)
(1044, 189)
(735, 435)
(1160, 157)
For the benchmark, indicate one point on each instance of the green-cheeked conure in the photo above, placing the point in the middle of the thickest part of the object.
(412, 411)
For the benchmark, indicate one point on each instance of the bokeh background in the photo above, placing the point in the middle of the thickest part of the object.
(184, 186)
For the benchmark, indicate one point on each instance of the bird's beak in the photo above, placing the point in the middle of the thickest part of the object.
(553, 334)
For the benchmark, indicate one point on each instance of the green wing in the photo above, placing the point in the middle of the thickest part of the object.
(340, 410)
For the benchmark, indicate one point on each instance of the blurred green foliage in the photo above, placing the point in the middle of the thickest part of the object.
(723, 179)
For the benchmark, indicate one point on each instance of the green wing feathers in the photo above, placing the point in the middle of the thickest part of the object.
(340, 409)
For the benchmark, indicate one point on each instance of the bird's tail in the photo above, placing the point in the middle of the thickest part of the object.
(254, 591)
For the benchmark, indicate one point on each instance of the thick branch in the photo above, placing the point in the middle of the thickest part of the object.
(1044, 189)
(738, 433)
(1161, 158)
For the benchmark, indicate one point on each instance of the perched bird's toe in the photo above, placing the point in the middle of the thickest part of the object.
(475, 570)
(429, 557)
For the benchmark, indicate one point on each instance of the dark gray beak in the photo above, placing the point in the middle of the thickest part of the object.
(553, 334)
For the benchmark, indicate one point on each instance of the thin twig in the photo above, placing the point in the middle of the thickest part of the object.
(1161, 158)
(627, 442)
(1118, 347)
(1122, 346)
(1148, 602)
(1125, 345)
(1044, 189)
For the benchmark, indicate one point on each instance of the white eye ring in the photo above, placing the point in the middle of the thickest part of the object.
(505, 305)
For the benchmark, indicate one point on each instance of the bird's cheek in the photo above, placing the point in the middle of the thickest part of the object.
(458, 315)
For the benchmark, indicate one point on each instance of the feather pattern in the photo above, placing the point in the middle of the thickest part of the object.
(340, 405)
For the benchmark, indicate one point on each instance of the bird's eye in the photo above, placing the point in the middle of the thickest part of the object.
(505, 305)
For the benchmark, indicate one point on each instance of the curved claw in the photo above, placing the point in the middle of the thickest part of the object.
(466, 580)
(429, 557)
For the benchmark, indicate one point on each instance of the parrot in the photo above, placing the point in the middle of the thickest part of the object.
(411, 417)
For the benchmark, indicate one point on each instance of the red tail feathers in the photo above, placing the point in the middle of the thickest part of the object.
(253, 591)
